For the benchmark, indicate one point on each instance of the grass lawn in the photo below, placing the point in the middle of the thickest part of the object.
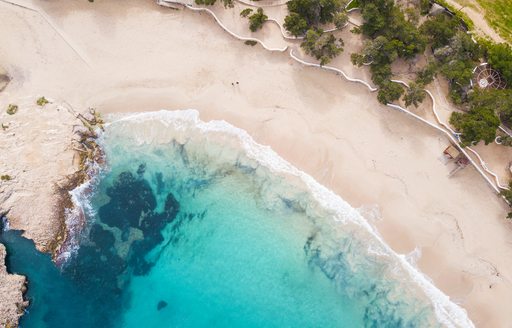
(499, 15)
(353, 4)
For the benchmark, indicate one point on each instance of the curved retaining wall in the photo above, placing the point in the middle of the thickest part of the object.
(445, 129)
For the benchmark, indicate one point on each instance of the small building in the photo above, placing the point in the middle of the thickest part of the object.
(451, 152)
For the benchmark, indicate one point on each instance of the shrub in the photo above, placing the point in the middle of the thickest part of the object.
(257, 19)
(414, 95)
(12, 109)
(246, 12)
(323, 47)
(42, 101)
(340, 19)
(439, 30)
(480, 123)
(389, 92)
(5, 177)
(508, 196)
(305, 14)
(205, 2)
(426, 76)
(250, 43)
(295, 24)
(500, 58)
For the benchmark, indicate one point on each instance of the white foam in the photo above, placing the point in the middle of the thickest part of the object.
(75, 216)
(5, 224)
(448, 313)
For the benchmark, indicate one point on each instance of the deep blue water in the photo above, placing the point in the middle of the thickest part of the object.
(189, 232)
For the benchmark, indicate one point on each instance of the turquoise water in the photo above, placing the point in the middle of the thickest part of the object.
(193, 225)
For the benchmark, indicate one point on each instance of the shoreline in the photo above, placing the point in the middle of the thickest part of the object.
(446, 311)
(311, 119)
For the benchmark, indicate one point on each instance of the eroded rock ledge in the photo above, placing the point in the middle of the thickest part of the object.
(47, 152)
(12, 287)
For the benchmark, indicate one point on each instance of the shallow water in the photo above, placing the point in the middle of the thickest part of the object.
(190, 229)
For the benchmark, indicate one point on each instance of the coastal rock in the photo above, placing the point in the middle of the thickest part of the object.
(11, 294)
(42, 165)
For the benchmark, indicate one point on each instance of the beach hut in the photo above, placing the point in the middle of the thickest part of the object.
(451, 152)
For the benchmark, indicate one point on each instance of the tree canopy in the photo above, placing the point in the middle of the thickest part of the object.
(323, 47)
(414, 95)
(439, 30)
(500, 58)
(295, 24)
(480, 122)
(257, 19)
(305, 14)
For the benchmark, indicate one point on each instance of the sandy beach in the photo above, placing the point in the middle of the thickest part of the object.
(137, 56)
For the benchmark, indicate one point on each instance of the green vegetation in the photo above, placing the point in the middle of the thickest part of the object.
(389, 92)
(226, 3)
(251, 43)
(5, 177)
(340, 19)
(42, 101)
(323, 47)
(500, 58)
(439, 30)
(393, 33)
(459, 15)
(306, 14)
(499, 15)
(257, 19)
(246, 12)
(12, 109)
(415, 94)
(391, 36)
(480, 122)
(354, 4)
(295, 24)
(508, 196)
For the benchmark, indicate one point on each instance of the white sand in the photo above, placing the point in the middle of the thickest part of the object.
(143, 57)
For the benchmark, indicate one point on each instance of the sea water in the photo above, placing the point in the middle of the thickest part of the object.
(193, 224)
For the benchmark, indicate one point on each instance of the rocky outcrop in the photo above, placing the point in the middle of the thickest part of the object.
(12, 287)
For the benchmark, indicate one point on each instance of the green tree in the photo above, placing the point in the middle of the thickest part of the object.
(389, 92)
(295, 24)
(439, 30)
(498, 100)
(427, 74)
(340, 19)
(205, 2)
(480, 123)
(500, 58)
(228, 3)
(257, 19)
(246, 12)
(414, 95)
(381, 73)
(315, 11)
(323, 47)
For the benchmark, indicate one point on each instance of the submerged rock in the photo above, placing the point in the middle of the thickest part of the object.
(161, 305)
(130, 198)
(103, 239)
